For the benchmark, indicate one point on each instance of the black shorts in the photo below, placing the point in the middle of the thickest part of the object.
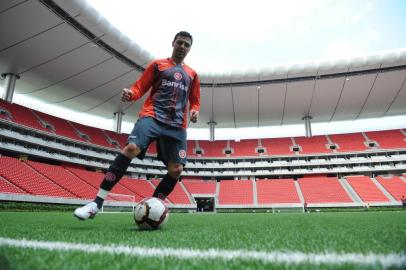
(171, 141)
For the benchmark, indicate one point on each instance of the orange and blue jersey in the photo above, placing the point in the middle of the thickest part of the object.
(172, 86)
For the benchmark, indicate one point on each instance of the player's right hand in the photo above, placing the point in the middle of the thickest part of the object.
(126, 95)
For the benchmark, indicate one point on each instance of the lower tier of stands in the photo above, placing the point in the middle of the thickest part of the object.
(22, 177)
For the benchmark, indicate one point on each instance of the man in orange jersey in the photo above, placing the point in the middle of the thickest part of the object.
(163, 118)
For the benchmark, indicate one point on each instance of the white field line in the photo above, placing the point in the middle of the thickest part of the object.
(286, 257)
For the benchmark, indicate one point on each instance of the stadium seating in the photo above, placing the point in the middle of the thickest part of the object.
(191, 145)
(66, 179)
(8, 187)
(366, 189)
(388, 138)
(152, 150)
(96, 135)
(23, 116)
(278, 146)
(29, 180)
(236, 192)
(394, 185)
(141, 188)
(349, 142)
(200, 186)
(177, 196)
(323, 190)
(62, 127)
(313, 145)
(213, 149)
(121, 139)
(244, 148)
(95, 178)
(277, 191)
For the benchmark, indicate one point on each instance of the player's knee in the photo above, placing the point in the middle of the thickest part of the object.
(175, 169)
(131, 150)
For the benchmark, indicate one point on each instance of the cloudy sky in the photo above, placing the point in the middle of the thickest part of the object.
(238, 34)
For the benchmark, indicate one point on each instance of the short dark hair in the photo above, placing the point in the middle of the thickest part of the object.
(184, 34)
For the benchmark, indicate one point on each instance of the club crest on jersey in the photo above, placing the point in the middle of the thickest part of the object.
(182, 153)
(177, 76)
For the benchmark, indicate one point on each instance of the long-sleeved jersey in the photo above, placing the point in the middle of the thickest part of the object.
(172, 87)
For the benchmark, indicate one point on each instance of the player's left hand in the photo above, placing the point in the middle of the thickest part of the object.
(194, 115)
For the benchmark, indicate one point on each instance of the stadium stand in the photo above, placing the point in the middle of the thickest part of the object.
(277, 191)
(178, 195)
(29, 180)
(95, 135)
(236, 192)
(278, 146)
(23, 116)
(140, 187)
(366, 189)
(388, 138)
(199, 186)
(313, 145)
(120, 139)
(349, 142)
(62, 127)
(152, 150)
(191, 146)
(64, 178)
(323, 190)
(8, 187)
(244, 148)
(394, 185)
(95, 178)
(213, 149)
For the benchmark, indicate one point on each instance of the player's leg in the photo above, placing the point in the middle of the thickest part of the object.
(169, 181)
(137, 144)
(114, 173)
(172, 151)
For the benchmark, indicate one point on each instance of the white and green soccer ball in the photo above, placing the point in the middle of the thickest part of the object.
(151, 214)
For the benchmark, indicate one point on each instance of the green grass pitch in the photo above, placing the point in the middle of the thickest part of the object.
(342, 232)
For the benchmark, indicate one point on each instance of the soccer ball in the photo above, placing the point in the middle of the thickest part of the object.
(151, 214)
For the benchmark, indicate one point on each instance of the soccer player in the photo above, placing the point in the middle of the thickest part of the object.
(163, 118)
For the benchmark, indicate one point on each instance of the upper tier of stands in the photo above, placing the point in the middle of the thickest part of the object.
(316, 144)
(245, 148)
(388, 138)
(278, 146)
(349, 142)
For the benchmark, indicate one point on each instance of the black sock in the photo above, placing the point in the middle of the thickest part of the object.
(165, 187)
(115, 172)
(99, 201)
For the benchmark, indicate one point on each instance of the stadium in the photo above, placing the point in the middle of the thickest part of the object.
(290, 166)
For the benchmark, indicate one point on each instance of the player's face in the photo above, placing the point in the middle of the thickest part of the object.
(181, 46)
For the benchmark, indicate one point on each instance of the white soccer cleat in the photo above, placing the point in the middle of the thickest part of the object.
(85, 212)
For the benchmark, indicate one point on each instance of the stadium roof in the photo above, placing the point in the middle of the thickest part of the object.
(70, 56)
